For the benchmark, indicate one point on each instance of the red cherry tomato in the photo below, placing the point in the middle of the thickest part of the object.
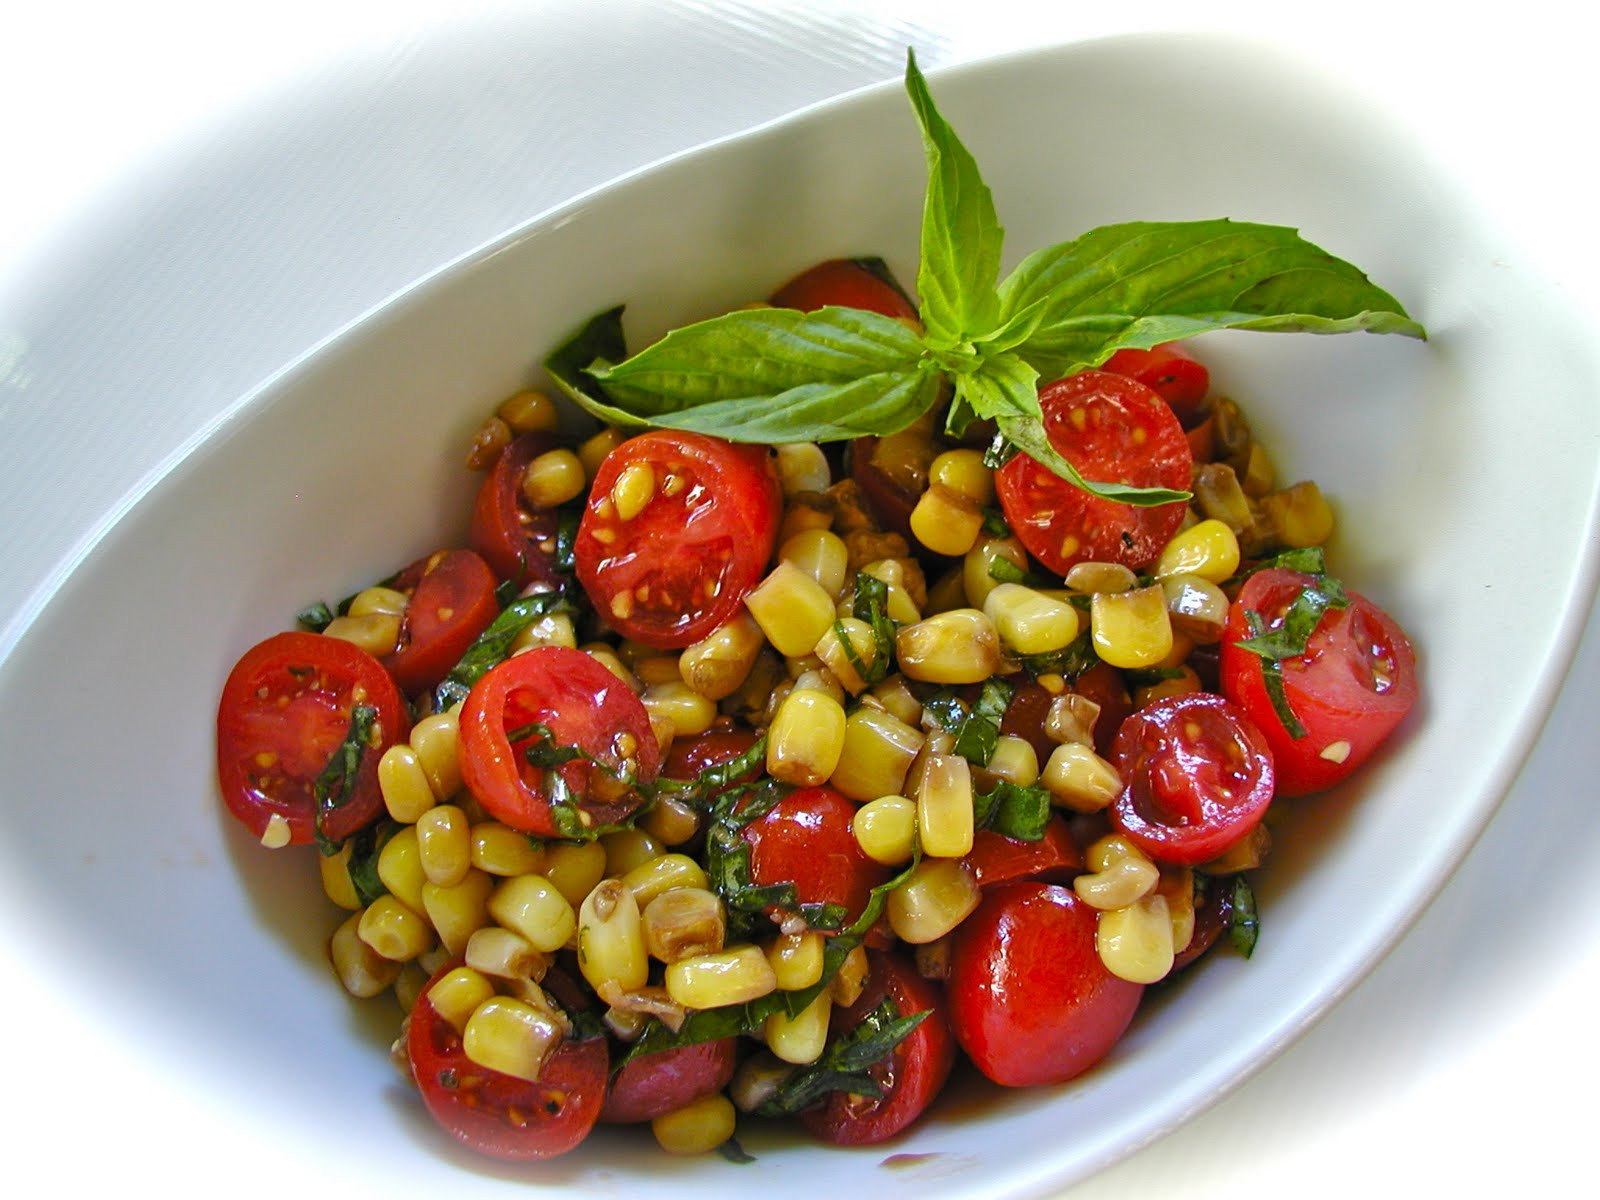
(806, 839)
(689, 756)
(1171, 372)
(653, 1084)
(516, 539)
(1353, 685)
(285, 710)
(1113, 430)
(852, 282)
(1054, 858)
(1030, 1001)
(681, 566)
(452, 602)
(1197, 776)
(497, 1114)
(583, 705)
(910, 1078)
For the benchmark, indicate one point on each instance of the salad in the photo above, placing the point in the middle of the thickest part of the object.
(872, 683)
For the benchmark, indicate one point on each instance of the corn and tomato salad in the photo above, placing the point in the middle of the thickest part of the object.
(708, 783)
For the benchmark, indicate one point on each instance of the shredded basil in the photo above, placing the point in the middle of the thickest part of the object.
(335, 784)
(315, 617)
(735, 1153)
(872, 606)
(1069, 662)
(846, 1064)
(1244, 921)
(1288, 640)
(362, 866)
(491, 647)
(1012, 811)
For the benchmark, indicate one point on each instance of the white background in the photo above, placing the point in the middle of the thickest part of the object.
(191, 194)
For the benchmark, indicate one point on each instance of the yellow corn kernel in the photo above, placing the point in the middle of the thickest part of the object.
(670, 822)
(493, 436)
(1028, 621)
(850, 980)
(806, 738)
(393, 930)
(1181, 684)
(1014, 760)
(336, 881)
(378, 600)
(1135, 942)
(959, 646)
(553, 478)
(1246, 854)
(1258, 474)
(662, 874)
(552, 629)
(361, 970)
(501, 850)
(607, 658)
(634, 488)
(408, 985)
(894, 696)
(799, 1039)
(1131, 629)
(946, 522)
(802, 467)
(1217, 495)
(877, 752)
(626, 849)
(848, 649)
(699, 1127)
(796, 959)
(1078, 778)
(939, 894)
(458, 910)
(1091, 578)
(817, 678)
(944, 806)
(886, 829)
(574, 868)
(798, 516)
(978, 571)
(495, 950)
(735, 975)
(376, 633)
(1118, 874)
(963, 472)
(1197, 608)
(436, 739)
(511, 1036)
(792, 608)
(821, 554)
(529, 411)
(689, 711)
(444, 844)
(534, 907)
(592, 451)
(1300, 514)
(400, 867)
(1071, 717)
(718, 663)
(611, 938)
(1208, 549)
(404, 784)
(457, 994)
(1177, 888)
(684, 922)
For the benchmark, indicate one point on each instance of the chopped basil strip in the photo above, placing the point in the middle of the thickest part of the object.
(846, 1064)
(1012, 811)
(314, 617)
(333, 786)
(735, 1153)
(362, 866)
(1244, 922)
(1072, 660)
(872, 606)
(493, 645)
(705, 787)
(978, 729)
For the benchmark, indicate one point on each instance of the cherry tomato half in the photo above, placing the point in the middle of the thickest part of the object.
(285, 710)
(909, 1079)
(1113, 430)
(1054, 858)
(1353, 685)
(583, 705)
(452, 602)
(497, 1114)
(1171, 372)
(852, 282)
(1197, 776)
(514, 538)
(663, 1082)
(1030, 1000)
(680, 566)
(806, 839)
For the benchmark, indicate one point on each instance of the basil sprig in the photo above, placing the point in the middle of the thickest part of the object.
(777, 375)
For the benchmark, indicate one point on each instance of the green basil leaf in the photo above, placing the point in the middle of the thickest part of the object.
(846, 1063)
(1069, 662)
(600, 339)
(362, 865)
(1244, 920)
(1028, 435)
(975, 740)
(491, 647)
(314, 617)
(872, 606)
(1012, 811)
(336, 781)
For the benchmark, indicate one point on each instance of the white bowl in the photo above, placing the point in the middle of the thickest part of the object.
(347, 464)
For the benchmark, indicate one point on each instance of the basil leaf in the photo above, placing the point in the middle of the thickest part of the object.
(711, 782)
(362, 865)
(1012, 811)
(314, 617)
(1289, 639)
(1244, 921)
(1069, 662)
(599, 339)
(336, 781)
(975, 741)
(1028, 435)
(491, 647)
(872, 606)
(846, 1063)
(734, 1152)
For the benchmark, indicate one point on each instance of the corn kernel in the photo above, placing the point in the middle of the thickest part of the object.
(361, 970)
(529, 411)
(1091, 578)
(376, 633)
(457, 994)
(802, 467)
(1014, 760)
(1119, 874)
(553, 478)
(378, 600)
(501, 850)
(1300, 514)
(1197, 608)
(806, 738)
(849, 648)
(944, 806)
(1131, 629)
(400, 867)
(792, 608)
(886, 830)
(574, 868)
(963, 471)
(821, 554)
(850, 980)
(458, 910)
(1135, 942)
(801, 1038)
(628, 848)
(978, 570)
(444, 844)
(1078, 778)
(719, 663)
(510, 1036)
(533, 907)
(593, 450)
(690, 712)
(669, 821)
(436, 739)
(662, 874)
(611, 938)
(494, 950)
(699, 1127)
(876, 754)
(939, 894)
(336, 881)
(684, 922)
(634, 488)
(1028, 621)
(1209, 549)
(796, 958)
(393, 930)
(959, 646)
(735, 975)
(946, 522)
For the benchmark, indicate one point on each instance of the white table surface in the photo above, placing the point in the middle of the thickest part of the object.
(192, 194)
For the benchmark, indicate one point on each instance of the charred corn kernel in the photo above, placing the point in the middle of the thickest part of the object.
(799, 516)
(393, 930)
(498, 951)
(1246, 854)
(699, 1127)
(1177, 888)
(435, 739)
(670, 822)
(980, 575)
(628, 848)
(378, 600)
(1078, 778)
(1135, 942)
(939, 894)
(458, 910)
(944, 806)
(662, 875)
(850, 652)
(611, 938)
(376, 633)
(529, 411)
(1071, 717)
(624, 1024)
(821, 554)
(894, 694)
(796, 959)
(802, 467)
(407, 794)
(511, 1036)
(336, 882)
(457, 994)
(801, 1038)
(1092, 577)
(532, 905)
(877, 752)
(400, 867)
(634, 488)
(1218, 496)
(757, 1080)
(553, 478)
(735, 975)
(792, 608)
(574, 868)
(689, 711)
(806, 738)
(962, 471)
(850, 980)
(719, 663)
(946, 522)
(361, 970)
(1180, 684)
(593, 450)
(552, 629)
(1208, 549)
(1014, 760)
(1030, 622)
(1197, 608)
(493, 436)
(1131, 629)
(901, 604)
(1118, 873)
(684, 922)
(1300, 514)
(606, 657)
(501, 850)
(959, 646)
(1257, 477)
(444, 844)
(886, 829)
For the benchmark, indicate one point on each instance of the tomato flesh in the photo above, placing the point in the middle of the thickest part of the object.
(452, 601)
(517, 540)
(1054, 858)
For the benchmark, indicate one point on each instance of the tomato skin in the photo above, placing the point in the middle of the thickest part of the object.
(500, 1115)
(1055, 858)
(452, 602)
(687, 757)
(848, 281)
(1128, 435)
(806, 839)
(583, 705)
(515, 539)
(681, 567)
(302, 734)
(1030, 1001)
(914, 1074)
(1197, 776)
(1171, 372)
(653, 1084)
(1333, 689)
